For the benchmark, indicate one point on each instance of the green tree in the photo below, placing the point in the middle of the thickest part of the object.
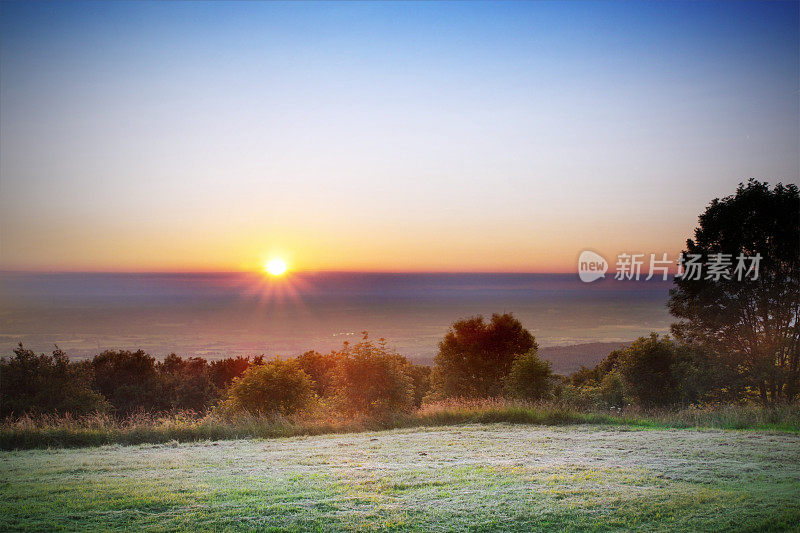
(373, 380)
(530, 377)
(752, 325)
(276, 387)
(475, 357)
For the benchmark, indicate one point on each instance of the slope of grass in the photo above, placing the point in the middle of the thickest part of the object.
(488, 477)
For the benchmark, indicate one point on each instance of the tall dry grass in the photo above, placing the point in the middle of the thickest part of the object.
(100, 429)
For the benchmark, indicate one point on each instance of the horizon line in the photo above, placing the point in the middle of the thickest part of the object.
(609, 276)
(290, 272)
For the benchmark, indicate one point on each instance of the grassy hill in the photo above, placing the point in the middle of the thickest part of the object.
(495, 477)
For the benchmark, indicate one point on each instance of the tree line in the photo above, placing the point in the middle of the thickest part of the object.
(477, 358)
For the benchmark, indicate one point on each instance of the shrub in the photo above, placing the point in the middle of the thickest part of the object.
(646, 367)
(420, 379)
(277, 387)
(612, 390)
(372, 380)
(530, 378)
(321, 368)
(656, 371)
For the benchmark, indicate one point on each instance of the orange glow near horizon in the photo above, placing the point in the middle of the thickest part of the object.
(538, 258)
(551, 246)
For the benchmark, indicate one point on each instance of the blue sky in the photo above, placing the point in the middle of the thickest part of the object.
(382, 136)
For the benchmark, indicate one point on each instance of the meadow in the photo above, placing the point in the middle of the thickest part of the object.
(477, 477)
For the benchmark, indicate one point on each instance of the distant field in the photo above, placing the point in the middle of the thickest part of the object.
(494, 477)
(569, 359)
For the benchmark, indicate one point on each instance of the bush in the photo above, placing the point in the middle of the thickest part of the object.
(656, 371)
(420, 379)
(33, 384)
(277, 387)
(647, 368)
(612, 390)
(594, 376)
(530, 378)
(321, 368)
(371, 380)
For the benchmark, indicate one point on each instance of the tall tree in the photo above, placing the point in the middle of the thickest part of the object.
(475, 356)
(751, 323)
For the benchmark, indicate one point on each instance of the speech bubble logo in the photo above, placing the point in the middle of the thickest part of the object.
(591, 266)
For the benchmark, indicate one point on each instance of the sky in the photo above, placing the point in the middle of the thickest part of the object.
(382, 136)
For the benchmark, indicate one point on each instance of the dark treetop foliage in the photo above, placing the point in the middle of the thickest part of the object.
(129, 381)
(475, 356)
(752, 324)
(223, 371)
(186, 383)
(45, 384)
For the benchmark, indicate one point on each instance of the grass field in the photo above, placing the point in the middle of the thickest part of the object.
(492, 477)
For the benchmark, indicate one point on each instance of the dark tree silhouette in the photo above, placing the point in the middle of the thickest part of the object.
(46, 384)
(186, 383)
(752, 324)
(129, 381)
(223, 371)
(475, 356)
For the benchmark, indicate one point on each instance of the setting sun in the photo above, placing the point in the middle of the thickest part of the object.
(275, 267)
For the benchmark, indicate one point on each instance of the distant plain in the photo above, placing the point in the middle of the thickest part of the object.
(216, 315)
